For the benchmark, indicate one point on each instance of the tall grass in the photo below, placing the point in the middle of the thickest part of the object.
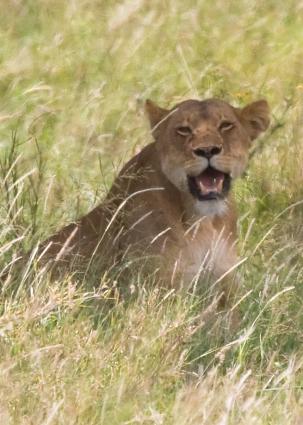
(73, 78)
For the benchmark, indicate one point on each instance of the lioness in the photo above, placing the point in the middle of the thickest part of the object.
(172, 201)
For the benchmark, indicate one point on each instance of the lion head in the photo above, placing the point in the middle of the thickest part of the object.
(203, 145)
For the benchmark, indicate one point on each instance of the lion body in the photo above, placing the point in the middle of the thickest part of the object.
(150, 211)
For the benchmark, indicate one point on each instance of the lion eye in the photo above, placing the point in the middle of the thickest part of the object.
(184, 130)
(226, 126)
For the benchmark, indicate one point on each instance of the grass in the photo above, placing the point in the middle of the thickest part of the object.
(73, 78)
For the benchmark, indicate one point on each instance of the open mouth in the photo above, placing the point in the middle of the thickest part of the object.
(211, 184)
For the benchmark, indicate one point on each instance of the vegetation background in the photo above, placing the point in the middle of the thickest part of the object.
(73, 78)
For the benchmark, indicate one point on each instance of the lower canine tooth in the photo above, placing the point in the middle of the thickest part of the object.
(202, 188)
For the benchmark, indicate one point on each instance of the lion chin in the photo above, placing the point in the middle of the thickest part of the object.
(210, 208)
(171, 206)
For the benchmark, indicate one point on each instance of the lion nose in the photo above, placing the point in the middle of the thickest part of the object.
(208, 152)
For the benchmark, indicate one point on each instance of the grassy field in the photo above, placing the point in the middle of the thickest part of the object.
(73, 78)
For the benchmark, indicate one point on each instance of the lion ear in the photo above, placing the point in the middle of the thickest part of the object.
(155, 113)
(255, 118)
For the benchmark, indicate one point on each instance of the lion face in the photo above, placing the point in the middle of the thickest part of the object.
(203, 145)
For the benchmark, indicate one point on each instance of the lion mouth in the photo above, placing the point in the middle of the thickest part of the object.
(211, 184)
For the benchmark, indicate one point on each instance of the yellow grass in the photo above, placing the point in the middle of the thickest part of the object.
(73, 79)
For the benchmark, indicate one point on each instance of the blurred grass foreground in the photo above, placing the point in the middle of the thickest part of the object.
(73, 78)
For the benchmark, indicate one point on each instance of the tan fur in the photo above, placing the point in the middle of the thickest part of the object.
(150, 212)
